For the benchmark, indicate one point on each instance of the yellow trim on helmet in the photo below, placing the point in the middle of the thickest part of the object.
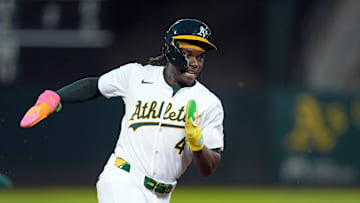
(190, 46)
(196, 38)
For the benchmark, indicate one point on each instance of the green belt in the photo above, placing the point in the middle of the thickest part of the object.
(155, 186)
(149, 183)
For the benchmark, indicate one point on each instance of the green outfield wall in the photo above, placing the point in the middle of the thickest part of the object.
(279, 136)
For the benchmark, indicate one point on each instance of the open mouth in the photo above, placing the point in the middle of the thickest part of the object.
(192, 72)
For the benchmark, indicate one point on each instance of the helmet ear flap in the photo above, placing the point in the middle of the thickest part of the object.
(174, 55)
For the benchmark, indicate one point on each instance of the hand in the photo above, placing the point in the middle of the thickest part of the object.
(192, 127)
(45, 105)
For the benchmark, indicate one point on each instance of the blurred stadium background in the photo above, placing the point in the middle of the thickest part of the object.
(287, 72)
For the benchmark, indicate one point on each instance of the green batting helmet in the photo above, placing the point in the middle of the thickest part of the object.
(190, 30)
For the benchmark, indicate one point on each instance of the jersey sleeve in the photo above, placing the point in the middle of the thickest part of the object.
(115, 83)
(213, 133)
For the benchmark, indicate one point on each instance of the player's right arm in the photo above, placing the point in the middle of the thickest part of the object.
(112, 84)
(49, 101)
(205, 158)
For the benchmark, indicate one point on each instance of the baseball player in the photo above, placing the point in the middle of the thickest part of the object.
(170, 120)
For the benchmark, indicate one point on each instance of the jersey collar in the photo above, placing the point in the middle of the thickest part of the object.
(175, 88)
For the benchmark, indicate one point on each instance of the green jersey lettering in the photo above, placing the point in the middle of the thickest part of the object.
(137, 111)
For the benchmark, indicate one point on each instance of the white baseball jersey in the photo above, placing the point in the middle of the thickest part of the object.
(152, 129)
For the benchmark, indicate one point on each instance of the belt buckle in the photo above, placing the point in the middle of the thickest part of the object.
(166, 190)
(155, 187)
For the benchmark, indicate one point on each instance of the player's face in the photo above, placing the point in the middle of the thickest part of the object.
(188, 76)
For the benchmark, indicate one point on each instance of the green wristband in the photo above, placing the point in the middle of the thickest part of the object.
(59, 107)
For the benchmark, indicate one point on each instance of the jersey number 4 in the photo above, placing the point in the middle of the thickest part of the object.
(180, 146)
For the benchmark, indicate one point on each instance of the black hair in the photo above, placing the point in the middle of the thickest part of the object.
(158, 60)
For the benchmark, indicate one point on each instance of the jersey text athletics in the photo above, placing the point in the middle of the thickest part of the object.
(151, 110)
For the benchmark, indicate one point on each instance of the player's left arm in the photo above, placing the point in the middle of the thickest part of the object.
(205, 159)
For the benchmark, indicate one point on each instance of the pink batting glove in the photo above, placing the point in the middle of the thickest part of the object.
(45, 105)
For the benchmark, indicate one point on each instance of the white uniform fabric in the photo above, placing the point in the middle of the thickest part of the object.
(118, 186)
(152, 129)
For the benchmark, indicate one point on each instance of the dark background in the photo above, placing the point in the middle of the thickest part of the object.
(242, 30)
(262, 46)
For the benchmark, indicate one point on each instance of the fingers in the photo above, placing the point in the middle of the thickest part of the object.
(35, 114)
(192, 112)
(192, 127)
(45, 105)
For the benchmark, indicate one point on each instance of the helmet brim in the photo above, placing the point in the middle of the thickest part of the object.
(196, 38)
